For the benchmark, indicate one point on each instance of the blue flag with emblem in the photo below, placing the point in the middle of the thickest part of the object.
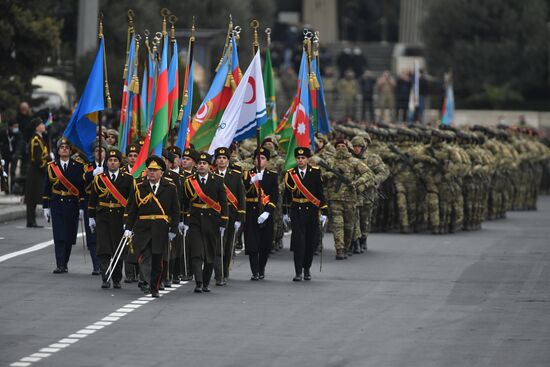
(81, 130)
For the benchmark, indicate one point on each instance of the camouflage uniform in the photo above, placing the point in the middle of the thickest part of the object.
(369, 199)
(342, 197)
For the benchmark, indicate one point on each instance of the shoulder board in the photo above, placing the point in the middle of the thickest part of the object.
(290, 169)
(216, 174)
(271, 171)
(50, 163)
(236, 171)
(169, 179)
(126, 173)
(315, 167)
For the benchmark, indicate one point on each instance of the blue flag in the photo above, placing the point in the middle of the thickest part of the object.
(184, 125)
(448, 106)
(81, 130)
(323, 123)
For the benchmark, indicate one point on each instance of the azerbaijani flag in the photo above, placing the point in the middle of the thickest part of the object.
(151, 88)
(173, 87)
(447, 112)
(49, 121)
(270, 99)
(143, 101)
(205, 122)
(182, 140)
(301, 123)
(321, 120)
(159, 125)
(124, 129)
(81, 130)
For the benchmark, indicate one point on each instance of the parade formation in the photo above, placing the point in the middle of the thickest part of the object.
(157, 211)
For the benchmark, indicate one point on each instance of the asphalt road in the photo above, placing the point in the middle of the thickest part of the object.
(469, 299)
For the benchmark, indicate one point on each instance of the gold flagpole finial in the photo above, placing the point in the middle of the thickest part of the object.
(255, 42)
(164, 13)
(100, 31)
(268, 36)
(173, 19)
(227, 38)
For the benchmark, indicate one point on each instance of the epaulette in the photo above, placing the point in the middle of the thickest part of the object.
(169, 179)
(315, 167)
(236, 171)
(274, 172)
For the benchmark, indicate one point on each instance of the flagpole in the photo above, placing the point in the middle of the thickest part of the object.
(100, 114)
(227, 38)
(255, 47)
(185, 96)
(172, 19)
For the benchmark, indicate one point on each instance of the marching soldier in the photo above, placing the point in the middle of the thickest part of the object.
(153, 212)
(39, 158)
(205, 204)
(262, 194)
(109, 196)
(131, 271)
(175, 251)
(188, 162)
(304, 207)
(234, 189)
(132, 152)
(63, 202)
(93, 169)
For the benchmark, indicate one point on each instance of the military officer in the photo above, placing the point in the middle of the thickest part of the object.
(205, 203)
(109, 197)
(63, 202)
(262, 194)
(39, 157)
(153, 212)
(304, 207)
(234, 189)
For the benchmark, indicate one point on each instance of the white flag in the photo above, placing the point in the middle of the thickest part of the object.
(245, 111)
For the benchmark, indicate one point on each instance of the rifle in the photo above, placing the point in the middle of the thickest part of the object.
(339, 175)
(440, 163)
(404, 156)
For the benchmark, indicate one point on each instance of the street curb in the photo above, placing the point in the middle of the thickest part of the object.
(12, 212)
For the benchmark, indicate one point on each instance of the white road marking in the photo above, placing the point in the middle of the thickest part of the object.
(87, 330)
(28, 250)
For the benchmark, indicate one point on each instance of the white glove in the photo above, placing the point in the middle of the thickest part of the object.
(323, 220)
(286, 220)
(5, 174)
(98, 170)
(171, 236)
(47, 214)
(257, 177)
(81, 214)
(237, 225)
(52, 156)
(91, 223)
(2, 162)
(263, 217)
(222, 231)
(127, 233)
(182, 227)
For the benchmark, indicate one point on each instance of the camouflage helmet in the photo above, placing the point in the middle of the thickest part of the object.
(358, 141)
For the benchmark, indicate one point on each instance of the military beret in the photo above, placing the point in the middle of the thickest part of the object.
(264, 152)
(340, 141)
(176, 150)
(63, 141)
(222, 151)
(155, 162)
(205, 157)
(191, 153)
(302, 151)
(114, 153)
(132, 148)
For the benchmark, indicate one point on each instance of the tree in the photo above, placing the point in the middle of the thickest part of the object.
(496, 49)
(29, 37)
